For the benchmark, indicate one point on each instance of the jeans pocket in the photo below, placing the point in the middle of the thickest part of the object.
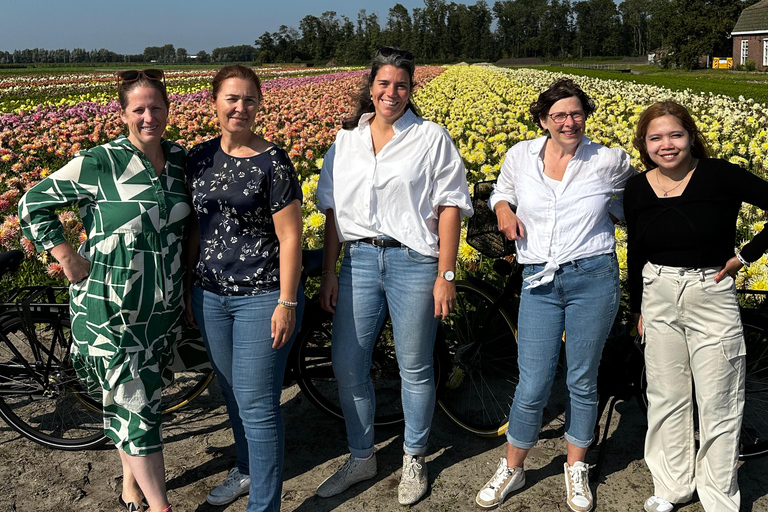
(417, 257)
(595, 266)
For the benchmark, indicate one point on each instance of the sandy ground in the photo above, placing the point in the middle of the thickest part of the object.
(200, 451)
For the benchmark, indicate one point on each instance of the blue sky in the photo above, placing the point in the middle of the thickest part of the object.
(130, 26)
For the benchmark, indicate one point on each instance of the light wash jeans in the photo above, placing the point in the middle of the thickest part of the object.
(372, 279)
(694, 342)
(237, 335)
(581, 301)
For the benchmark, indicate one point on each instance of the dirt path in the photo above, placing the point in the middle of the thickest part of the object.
(199, 452)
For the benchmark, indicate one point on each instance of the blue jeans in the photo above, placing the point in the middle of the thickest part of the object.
(237, 334)
(582, 301)
(372, 279)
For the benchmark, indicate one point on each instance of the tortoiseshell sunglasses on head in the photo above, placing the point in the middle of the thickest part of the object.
(132, 75)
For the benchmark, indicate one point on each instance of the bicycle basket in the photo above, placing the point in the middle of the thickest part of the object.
(482, 231)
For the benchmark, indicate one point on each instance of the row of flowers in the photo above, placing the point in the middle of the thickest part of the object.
(25, 93)
(485, 110)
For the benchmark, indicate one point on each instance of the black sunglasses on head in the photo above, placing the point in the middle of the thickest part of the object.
(388, 51)
(132, 75)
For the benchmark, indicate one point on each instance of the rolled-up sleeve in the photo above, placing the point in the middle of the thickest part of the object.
(504, 190)
(622, 171)
(325, 182)
(75, 183)
(450, 183)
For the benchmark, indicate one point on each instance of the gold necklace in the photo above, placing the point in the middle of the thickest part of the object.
(666, 192)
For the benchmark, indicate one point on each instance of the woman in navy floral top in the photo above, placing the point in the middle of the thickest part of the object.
(244, 265)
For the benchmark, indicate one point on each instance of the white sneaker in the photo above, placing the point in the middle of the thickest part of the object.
(413, 481)
(577, 487)
(234, 486)
(350, 473)
(503, 482)
(656, 504)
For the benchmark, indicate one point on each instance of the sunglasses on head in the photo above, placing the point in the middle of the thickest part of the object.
(388, 51)
(132, 75)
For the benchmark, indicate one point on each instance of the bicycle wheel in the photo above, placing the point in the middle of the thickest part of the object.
(316, 379)
(481, 372)
(754, 428)
(44, 400)
(186, 386)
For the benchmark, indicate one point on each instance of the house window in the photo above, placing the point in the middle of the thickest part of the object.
(765, 52)
(744, 51)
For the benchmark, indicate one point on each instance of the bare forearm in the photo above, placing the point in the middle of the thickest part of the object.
(288, 224)
(331, 245)
(449, 231)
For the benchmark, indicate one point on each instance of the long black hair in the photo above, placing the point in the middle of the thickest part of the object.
(387, 56)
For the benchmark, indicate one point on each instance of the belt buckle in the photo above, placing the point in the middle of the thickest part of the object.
(377, 242)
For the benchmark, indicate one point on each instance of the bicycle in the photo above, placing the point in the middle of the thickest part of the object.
(482, 373)
(42, 398)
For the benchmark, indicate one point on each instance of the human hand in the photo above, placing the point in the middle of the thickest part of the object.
(639, 322)
(444, 293)
(329, 291)
(188, 309)
(283, 322)
(731, 268)
(509, 223)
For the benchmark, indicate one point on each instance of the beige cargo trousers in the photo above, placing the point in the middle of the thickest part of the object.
(694, 343)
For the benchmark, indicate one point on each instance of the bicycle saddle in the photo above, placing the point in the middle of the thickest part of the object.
(10, 261)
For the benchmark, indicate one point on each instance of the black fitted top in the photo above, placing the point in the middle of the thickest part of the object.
(694, 230)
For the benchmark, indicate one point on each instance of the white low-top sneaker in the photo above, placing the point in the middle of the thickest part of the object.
(234, 486)
(503, 482)
(656, 504)
(577, 487)
(350, 473)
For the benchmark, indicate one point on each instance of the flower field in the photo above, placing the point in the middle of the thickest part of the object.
(46, 120)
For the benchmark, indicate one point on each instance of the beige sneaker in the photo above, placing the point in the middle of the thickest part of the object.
(413, 482)
(577, 487)
(352, 472)
(505, 481)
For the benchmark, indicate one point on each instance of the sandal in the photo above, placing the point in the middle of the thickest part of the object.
(133, 506)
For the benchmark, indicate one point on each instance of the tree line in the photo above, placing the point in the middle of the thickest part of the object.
(442, 31)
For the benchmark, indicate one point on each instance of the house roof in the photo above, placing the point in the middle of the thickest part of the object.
(753, 19)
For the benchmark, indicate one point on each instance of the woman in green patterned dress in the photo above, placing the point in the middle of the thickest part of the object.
(127, 278)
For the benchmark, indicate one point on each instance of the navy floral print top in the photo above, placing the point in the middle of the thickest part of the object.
(234, 199)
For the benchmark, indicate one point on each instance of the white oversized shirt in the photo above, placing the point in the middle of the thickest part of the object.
(571, 222)
(398, 191)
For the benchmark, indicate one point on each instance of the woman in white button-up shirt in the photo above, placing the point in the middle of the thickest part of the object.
(394, 190)
(566, 189)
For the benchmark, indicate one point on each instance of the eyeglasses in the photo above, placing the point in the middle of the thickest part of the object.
(388, 51)
(560, 117)
(132, 75)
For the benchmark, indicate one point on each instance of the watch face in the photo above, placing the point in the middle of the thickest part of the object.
(448, 275)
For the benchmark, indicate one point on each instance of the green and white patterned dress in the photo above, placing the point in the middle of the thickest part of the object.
(127, 316)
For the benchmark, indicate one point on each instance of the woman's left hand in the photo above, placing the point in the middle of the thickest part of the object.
(731, 268)
(445, 297)
(283, 322)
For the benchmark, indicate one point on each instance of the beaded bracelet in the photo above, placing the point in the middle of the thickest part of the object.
(287, 304)
(328, 272)
(742, 260)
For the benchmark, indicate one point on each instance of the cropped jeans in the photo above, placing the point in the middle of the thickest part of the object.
(581, 301)
(237, 334)
(372, 280)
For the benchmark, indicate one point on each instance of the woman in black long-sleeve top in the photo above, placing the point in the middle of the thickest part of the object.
(681, 222)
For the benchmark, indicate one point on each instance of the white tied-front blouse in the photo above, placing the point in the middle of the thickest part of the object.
(397, 192)
(571, 222)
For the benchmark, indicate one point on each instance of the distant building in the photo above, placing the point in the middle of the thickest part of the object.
(750, 36)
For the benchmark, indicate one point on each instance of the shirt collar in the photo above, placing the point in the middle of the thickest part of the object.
(538, 144)
(124, 143)
(403, 122)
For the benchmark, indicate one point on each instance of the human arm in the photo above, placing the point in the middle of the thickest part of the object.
(621, 172)
(75, 183)
(449, 232)
(636, 257)
(750, 188)
(502, 199)
(288, 225)
(191, 250)
(329, 281)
